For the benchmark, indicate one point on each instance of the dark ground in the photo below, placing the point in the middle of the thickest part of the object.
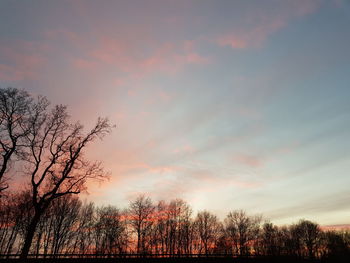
(177, 260)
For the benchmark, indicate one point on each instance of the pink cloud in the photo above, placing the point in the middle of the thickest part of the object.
(262, 23)
(207, 181)
(234, 41)
(84, 64)
(170, 189)
(124, 61)
(125, 56)
(184, 149)
(20, 60)
(65, 36)
(9, 73)
(248, 160)
(165, 96)
(112, 51)
(135, 162)
(171, 59)
(341, 227)
(194, 58)
(162, 169)
(253, 37)
(131, 92)
(157, 97)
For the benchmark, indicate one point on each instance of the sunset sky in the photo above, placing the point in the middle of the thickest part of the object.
(225, 104)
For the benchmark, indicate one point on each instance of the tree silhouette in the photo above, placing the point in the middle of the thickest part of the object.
(268, 238)
(110, 231)
(140, 212)
(310, 236)
(242, 229)
(55, 160)
(16, 112)
(209, 230)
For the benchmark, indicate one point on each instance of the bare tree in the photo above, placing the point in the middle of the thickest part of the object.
(11, 213)
(268, 239)
(141, 219)
(15, 213)
(84, 230)
(65, 213)
(310, 236)
(55, 160)
(177, 217)
(159, 228)
(242, 229)
(110, 231)
(15, 114)
(185, 226)
(337, 244)
(209, 230)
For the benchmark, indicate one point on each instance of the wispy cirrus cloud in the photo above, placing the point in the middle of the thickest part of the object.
(21, 60)
(126, 53)
(248, 160)
(113, 52)
(261, 23)
(315, 207)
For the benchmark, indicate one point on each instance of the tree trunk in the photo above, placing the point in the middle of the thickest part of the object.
(30, 235)
(138, 241)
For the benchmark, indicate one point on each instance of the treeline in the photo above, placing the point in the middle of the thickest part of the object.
(70, 226)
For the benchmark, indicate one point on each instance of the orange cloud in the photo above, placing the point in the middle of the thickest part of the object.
(341, 227)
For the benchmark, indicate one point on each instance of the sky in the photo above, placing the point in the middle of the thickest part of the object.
(225, 104)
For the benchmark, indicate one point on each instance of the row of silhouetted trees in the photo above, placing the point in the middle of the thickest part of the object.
(71, 227)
